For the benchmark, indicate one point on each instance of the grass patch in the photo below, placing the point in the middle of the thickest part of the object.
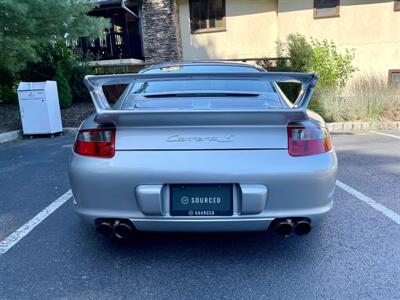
(368, 98)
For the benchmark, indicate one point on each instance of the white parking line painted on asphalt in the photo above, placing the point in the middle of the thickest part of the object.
(386, 134)
(376, 205)
(20, 233)
(17, 235)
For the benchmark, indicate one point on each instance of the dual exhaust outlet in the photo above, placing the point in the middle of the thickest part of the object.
(122, 229)
(286, 227)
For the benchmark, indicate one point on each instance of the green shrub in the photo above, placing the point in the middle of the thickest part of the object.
(300, 52)
(8, 92)
(333, 68)
(75, 69)
(64, 91)
(54, 56)
(75, 78)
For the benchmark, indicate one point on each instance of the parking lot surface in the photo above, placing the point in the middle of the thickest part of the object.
(355, 253)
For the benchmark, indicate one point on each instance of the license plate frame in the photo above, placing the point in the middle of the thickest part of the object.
(201, 200)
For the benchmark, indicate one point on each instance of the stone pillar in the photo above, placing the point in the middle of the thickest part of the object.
(161, 31)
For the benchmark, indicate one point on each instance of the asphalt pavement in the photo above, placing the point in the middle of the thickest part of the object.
(354, 254)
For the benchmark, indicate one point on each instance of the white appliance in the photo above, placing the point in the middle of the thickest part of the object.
(39, 107)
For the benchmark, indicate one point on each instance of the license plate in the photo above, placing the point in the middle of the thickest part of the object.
(201, 200)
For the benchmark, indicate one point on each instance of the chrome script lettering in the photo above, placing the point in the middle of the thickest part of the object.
(218, 139)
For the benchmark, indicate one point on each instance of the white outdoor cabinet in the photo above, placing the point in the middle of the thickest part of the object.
(39, 107)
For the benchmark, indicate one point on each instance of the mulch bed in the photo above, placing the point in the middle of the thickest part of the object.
(9, 117)
(72, 117)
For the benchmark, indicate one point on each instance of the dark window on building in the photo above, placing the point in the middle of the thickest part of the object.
(397, 5)
(394, 76)
(207, 15)
(326, 8)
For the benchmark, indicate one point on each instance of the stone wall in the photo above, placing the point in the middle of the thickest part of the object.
(161, 31)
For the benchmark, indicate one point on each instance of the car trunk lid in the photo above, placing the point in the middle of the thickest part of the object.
(201, 138)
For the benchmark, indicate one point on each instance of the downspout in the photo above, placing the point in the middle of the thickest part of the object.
(128, 10)
(136, 16)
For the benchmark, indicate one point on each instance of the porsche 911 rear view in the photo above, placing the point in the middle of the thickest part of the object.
(201, 147)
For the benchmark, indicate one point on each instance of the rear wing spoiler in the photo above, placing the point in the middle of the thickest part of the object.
(105, 113)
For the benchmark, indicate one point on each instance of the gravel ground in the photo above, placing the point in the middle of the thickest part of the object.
(72, 117)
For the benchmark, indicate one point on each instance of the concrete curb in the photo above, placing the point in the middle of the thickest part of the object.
(70, 130)
(336, 127)
(344, 127)
(17, 134)
(10, 136)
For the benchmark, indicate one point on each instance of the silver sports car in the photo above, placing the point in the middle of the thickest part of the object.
(202, 146)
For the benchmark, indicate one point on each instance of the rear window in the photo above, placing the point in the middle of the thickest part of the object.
(215, 85)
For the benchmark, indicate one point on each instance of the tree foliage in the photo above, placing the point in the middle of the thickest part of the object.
(24, 25)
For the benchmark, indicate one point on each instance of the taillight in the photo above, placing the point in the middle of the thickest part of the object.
(304, 140)
(96, 142)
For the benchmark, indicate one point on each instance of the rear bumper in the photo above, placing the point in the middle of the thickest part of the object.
(296, 187)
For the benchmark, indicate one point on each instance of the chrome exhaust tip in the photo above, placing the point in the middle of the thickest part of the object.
(302, 227)
(123, 229)
(284, 227)
(105, 228)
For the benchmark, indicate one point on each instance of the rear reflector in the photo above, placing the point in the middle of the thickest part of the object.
(96, 142)
(308, 140)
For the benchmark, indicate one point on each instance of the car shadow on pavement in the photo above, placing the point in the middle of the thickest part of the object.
(223, 247)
